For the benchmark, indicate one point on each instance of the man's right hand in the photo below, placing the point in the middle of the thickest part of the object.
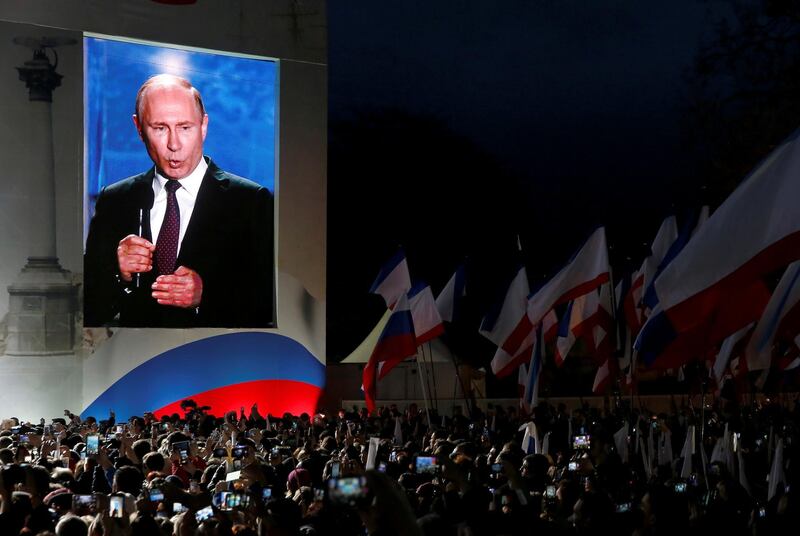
(134, 255)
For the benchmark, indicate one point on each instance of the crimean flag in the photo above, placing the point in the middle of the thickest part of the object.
(713, 287)
(587, 270)
(427, 323)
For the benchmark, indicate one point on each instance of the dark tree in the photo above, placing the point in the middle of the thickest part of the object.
(743, 91)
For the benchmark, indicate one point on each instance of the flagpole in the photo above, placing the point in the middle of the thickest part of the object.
(431, 394)
(424, 396)
(433, 377)
(460, 381)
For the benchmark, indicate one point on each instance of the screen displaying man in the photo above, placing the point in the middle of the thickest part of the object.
(184, 244)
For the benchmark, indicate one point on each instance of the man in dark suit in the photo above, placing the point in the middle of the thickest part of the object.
(184, 244)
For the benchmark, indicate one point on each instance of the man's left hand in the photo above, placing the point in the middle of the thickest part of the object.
(184, 288)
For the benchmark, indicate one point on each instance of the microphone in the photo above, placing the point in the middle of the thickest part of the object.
(145, 199)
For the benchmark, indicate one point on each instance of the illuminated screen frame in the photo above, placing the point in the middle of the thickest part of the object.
(241, 94)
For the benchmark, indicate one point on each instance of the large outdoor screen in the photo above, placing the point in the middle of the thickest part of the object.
(202, 256)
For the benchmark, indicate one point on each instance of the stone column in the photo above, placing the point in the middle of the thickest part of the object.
(42, 300)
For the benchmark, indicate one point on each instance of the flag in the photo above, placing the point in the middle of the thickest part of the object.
(632, 302)
(395, 344)
(393, 279)
(722, 451)
(743, 481)
(448, 302)
(690, 228)
(687, 453)
(664, 455)
(784, 299)
(504, 363)
(569, 328)
(507, 324)
(546, 443)
(531, 395)
(602, 323)
(776, 472)
(730, 347)
(602, 378)
(621, 442)
(530, 440)
(427, 323)
(522, 381)
(754, 232)
(585, 272)
(398, 432)
(665, 237)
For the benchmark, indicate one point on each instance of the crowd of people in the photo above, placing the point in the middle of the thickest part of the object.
(577, 471)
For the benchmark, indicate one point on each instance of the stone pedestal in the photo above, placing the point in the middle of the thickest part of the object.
(42, 305)
(42, 300)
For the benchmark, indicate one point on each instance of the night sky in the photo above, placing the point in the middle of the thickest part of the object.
(456, 126)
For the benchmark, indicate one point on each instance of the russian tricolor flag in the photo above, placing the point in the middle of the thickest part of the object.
(713, 287)
(393, 279)
(396, 343)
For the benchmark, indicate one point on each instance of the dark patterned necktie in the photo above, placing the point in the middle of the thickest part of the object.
(167, 243)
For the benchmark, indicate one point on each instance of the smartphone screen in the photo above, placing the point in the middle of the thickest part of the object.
(116, 507)
(156, 495)
(581, 442)
(182, 448)
(573, 466)
(83, 504)
(426, 465)
(347, 490)
(204, 514)
(550, 492)
(92, 445)
(335, 469)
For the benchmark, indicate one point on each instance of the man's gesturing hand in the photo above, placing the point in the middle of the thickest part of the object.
(134, 255)
(184, 288)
